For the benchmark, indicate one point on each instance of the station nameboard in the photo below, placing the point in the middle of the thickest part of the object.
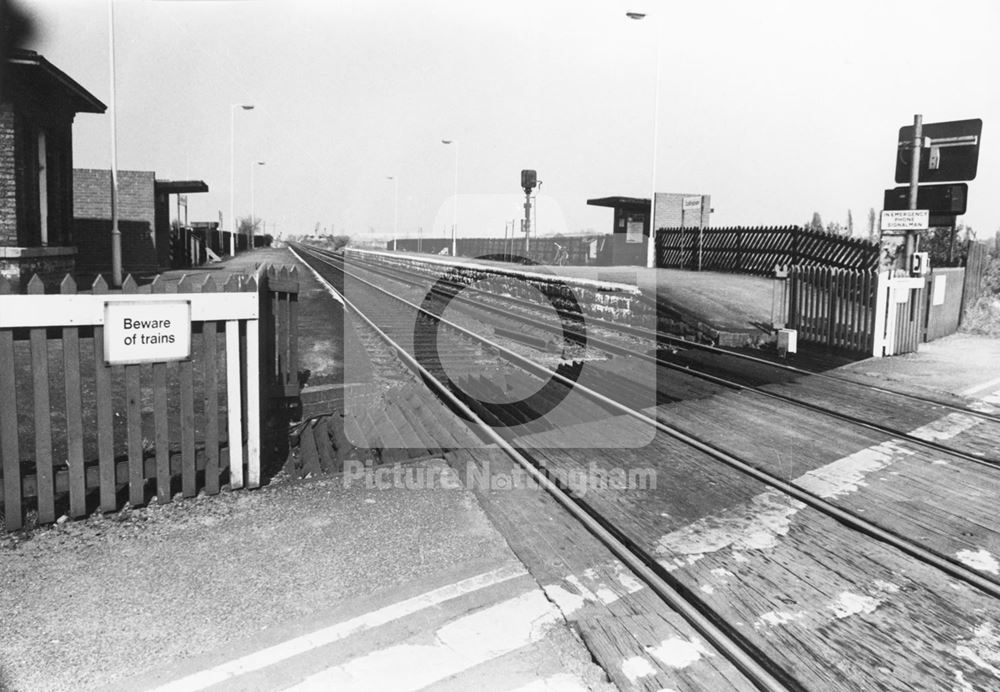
(146, 332)
(903, 220)
(691, 203)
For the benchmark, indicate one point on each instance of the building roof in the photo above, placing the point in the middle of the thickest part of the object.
(172, 187)
(619, 202)
(26, 69)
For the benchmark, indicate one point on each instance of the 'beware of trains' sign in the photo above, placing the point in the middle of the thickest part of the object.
(137, 332)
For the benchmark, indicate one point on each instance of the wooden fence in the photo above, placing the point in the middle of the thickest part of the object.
(77, 434)
(833, 307)
(757, 250)
(976, 262)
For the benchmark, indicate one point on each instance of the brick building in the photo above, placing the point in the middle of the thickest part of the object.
(136, 221)
(143, 220)
(631, 222)
(38, 104)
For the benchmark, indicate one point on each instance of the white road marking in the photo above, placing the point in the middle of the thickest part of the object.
(569, 600)
(975, 389)
(947, 427)
(561, 682)
(635, 667)
(293, 647)
(676, 652)
(848, 604)
(981, 559)
(458, 646)
(982, 649)
(758, 523)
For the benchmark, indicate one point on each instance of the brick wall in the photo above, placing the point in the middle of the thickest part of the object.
(18, 265)
(8, 190)
(136, 220)
(669, 208)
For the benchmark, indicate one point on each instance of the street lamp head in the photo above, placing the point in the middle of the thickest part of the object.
(261, 163)
(447, 141)
(390, 177)
(635, 15)
(246, 106)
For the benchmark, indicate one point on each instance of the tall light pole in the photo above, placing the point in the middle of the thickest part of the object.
(116, 234)
(651, 243)
(232, 172)
(454, 208)
(395, 209)
(252, 215)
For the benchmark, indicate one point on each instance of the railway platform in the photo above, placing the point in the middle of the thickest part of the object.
(420, 578)
(733, 309)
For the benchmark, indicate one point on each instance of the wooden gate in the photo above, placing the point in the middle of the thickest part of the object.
(77, 434)
(899, 314)
(833, 307)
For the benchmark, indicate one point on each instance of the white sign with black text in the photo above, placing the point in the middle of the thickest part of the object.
(691, 204)
(904, 220)
(141, 332)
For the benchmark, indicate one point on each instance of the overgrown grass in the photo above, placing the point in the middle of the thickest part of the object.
(983, 317)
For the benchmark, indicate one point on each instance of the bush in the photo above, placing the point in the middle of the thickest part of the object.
(983, 317)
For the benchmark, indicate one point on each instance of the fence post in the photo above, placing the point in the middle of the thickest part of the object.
(10, 453)
(793, 298)
(882, 291)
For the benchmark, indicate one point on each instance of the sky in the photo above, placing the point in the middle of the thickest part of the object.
(777, 109)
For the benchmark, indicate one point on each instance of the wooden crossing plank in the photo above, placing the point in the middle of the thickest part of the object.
(804, 589)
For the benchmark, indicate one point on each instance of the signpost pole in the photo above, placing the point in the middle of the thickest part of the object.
(701, 228)
(911, 236)
(682, 235)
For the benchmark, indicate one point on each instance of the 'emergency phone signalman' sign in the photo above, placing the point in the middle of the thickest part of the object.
(136, 332)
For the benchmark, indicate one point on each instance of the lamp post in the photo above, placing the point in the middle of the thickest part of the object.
(116, 235)
(395, 209)
(454, 208)
(232, 172)
(252, 215)
(651, 243)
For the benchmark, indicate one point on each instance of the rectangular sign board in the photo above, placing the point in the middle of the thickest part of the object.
(140, 332)
(900, 221)
(633, 232)
(938, 199)
(950, 151)
(691, 203)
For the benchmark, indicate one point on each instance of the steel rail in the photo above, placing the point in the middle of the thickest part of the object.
(988, 462)
(657, 336)
(765, 676)
(944, 563)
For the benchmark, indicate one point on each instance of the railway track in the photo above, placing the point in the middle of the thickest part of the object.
(496, 423)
